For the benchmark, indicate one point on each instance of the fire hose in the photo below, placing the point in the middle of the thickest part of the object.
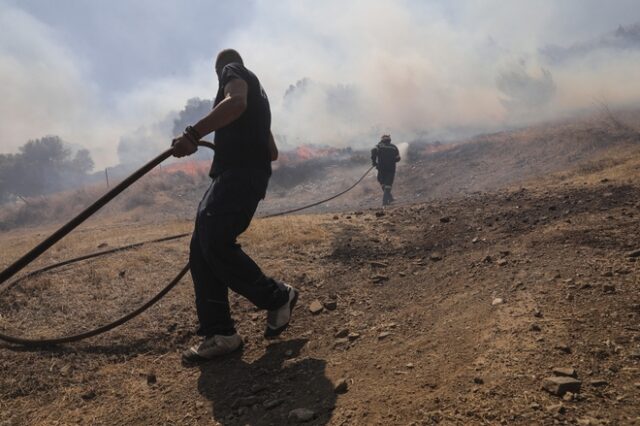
(39, 249)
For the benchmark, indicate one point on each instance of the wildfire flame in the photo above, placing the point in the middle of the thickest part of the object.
(191, 168)
(306, 152)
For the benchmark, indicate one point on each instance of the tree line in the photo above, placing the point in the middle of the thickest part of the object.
(42, 166)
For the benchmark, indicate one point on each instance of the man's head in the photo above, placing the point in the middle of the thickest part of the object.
(225, 57)
(385, 139)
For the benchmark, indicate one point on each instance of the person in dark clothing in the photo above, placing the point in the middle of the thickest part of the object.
(384, 157)
(244, 150)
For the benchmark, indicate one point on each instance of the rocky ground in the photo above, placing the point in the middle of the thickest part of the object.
(452, 312)
(498, 303)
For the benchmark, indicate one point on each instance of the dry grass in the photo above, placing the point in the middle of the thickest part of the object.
(444, 325)
(286, 232)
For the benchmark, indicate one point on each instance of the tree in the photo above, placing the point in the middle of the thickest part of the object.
(42, 166)
(82, 162)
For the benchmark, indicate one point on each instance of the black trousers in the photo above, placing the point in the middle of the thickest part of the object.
(216, 259)
(385, 178)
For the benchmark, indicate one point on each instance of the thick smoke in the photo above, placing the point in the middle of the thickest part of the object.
(140, 145)
(414, 69)
(624, 38)
(524, 93)
(337, 73)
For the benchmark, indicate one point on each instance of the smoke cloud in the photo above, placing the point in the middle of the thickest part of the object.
(430, 70)
(338, 73)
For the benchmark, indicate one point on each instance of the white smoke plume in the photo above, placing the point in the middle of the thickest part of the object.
(425, 68)
(339, 73)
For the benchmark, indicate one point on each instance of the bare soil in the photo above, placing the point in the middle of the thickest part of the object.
(451, 311)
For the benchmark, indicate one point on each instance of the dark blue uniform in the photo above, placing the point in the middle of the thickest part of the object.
(240, 171)
(384, 157)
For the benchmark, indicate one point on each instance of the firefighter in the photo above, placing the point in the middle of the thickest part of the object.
(384, 157)
(241, 120)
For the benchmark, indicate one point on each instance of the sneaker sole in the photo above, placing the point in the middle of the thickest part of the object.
(271, 333)
(192, 358)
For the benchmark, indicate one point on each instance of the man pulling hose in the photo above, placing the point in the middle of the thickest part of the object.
(245, 148)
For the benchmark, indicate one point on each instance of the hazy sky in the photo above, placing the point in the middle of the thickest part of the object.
(95, 71)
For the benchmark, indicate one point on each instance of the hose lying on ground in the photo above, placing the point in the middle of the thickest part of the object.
(34, 253)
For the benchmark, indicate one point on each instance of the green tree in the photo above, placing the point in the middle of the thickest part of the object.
(42, 166)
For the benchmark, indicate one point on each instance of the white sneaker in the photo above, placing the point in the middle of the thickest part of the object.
(212, 347)
(278, 319)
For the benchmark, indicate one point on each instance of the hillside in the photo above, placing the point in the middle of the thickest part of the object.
(429, 172)
(507, 257)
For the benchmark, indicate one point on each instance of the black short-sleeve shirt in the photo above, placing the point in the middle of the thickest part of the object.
(244, 143)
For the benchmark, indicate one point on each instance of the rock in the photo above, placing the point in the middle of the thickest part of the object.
(377, 264)
(342, 333)
(341, 342)
(557, 409)
(383, 335)
(497, 301)
(379, 214)
(65, 370)
(435, 257)
(537, 313)
(246, 401)
(272, 403)
(301, 415)
(410, 365)
(445, 219)
(535, 327)
(634, 253)
(377, 279)
(565, 372)
(331, 305)
(598, 383)
(563, 348)
(502, 262)
(103, 245)
(336, 218)
(341, 386)
(478, 380)
(353, 336)
(590, 421)
(151, 378)
(608, 288)
(475, 240)
(257, 388)
(561, 385)
(316, 307)
(89, 395)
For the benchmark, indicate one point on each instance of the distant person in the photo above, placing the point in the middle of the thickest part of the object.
(244, 150)
(384, 157)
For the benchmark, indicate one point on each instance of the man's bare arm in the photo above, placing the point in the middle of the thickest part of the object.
(226, 112)
(273, 149)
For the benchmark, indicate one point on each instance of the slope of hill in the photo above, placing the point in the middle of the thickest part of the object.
(453, 311)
